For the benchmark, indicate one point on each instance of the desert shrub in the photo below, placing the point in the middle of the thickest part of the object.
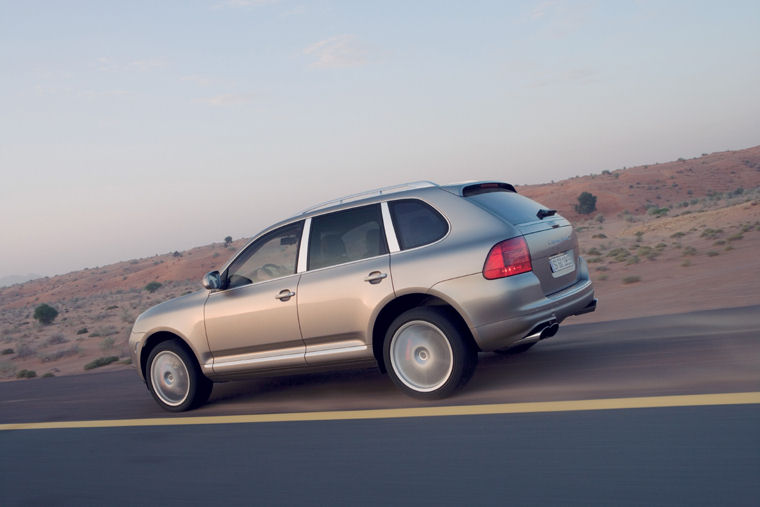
(60, 354)
(595, 260)
(227, 240)
(689, 250)
(112, 307)
(619, 254)
(686, 263)
(101, 361)
(712, 253)
(24, 350)
(7, 368)
(601, 235)
(153, 287)
(106, 331)
(127, 317)
(48, 375)
(631, 279)
(107, 343)
(736, 237)
(56, 339)
(586, 203)
(26, 374)
(720, 242)
(678, 234)
(602, 268)
(593, 251)
(658, 212)
(83, 331)
(600, 219)
(176, 254)
(45, 314)
(711, 233)
(7, 352)
(634, 259)
(602, 277)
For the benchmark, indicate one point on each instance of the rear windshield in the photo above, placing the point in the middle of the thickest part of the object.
(514, 208)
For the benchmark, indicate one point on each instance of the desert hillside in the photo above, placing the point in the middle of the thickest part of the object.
(664, 238)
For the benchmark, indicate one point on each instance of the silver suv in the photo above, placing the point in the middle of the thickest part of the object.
(415, 279)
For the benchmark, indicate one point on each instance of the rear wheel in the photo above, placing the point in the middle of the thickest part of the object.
(174, 378)
(427, 354)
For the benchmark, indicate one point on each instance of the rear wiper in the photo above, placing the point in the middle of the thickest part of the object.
(543, 213)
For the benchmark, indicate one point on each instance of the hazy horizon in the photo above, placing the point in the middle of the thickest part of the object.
(139, 129)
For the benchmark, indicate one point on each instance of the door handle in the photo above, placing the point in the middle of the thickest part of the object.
(285, 295)
(376, 277)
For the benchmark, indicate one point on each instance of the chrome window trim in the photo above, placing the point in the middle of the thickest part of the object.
(390, 231)
(303, 248)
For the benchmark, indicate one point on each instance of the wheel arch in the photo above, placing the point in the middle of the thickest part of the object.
(159, 337)
(399, 305)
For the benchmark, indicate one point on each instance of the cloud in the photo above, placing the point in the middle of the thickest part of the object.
(229, 99)
(338, 51)
(560, 18)
(543, 8)
(575, 75)
(199, 79)
(106, 64)
(105, 93)
(237, 4)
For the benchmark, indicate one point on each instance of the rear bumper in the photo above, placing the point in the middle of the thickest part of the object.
(502, 312)
(504, 333)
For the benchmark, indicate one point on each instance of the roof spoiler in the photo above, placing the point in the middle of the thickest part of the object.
(485, 187)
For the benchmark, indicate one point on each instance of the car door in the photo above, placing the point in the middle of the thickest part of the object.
(347, 279)
(252, 323)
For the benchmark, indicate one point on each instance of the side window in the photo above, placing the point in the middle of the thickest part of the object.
(346, 236)
(271, 256)
(416, 223)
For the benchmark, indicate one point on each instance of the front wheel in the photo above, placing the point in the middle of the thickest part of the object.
(174, 378)
(427, 353)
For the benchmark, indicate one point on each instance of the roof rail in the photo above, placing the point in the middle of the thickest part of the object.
(370, 193)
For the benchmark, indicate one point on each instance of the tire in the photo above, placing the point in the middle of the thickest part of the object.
(517, 349)
(427, 354)
(174, 378)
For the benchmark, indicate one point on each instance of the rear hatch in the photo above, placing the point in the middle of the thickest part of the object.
(551, 239)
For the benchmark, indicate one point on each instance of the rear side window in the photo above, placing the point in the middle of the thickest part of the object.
(416, 223)
(346, 236)
(515, 208)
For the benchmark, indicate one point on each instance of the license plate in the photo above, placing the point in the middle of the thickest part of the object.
(562, 263)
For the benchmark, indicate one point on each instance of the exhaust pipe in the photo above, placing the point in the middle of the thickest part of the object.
(550, 330)
(543, 330)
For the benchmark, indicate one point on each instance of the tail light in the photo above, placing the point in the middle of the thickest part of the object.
(508, 258)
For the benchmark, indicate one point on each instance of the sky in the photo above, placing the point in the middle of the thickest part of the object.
(129, 129)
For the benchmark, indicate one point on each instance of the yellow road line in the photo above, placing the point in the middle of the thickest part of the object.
(692, 400)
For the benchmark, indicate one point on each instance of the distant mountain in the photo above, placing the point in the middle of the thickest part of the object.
(7, 281)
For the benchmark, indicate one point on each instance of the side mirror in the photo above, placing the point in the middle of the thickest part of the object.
(212, 280)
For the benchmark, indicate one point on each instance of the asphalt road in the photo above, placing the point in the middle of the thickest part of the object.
(694, 353)
(704, 455)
